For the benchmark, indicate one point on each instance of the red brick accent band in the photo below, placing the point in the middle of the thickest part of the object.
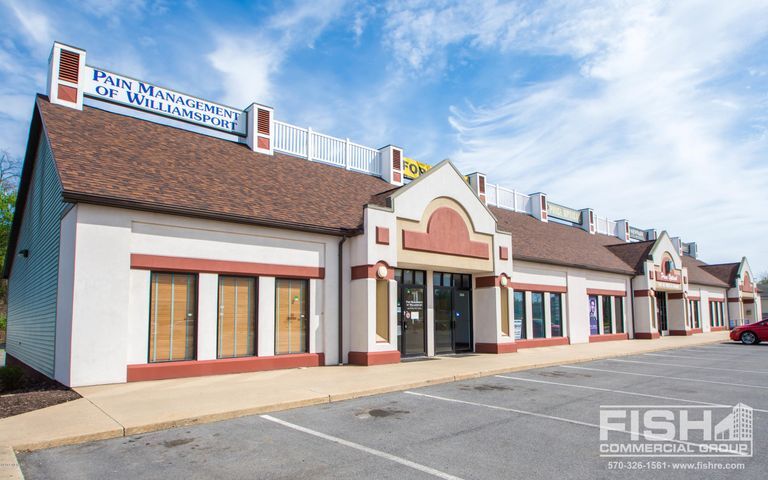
(716, 300)
(681, 333)
(733, 300)
(530, 287)
(717, 329)
(382, 235)
(675, 296)
(644, 293)
(374, 358)
(486, 282)
(541, 342)
(606, 293)
(696, 330)
(749, 300)
(647, 336)
(694, 297)
(496, 347)
(447, 234)
(195, 368)
(608, 337)
(370, 271)
(181, 264)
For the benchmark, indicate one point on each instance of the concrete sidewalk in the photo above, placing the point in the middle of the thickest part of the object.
(109, 411)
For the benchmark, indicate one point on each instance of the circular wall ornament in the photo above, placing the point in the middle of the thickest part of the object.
(503, 281)
(382, 271)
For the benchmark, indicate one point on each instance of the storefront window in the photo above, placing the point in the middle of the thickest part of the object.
(172, 316)
(537, 314)
(607, 311)
(594, 328)
(505, 311)
(291, 316)
(618, 304)
(237, 317)
(520, 321)
(382, 310)
(556, 313)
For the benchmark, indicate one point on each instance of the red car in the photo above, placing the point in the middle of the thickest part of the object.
(751, 334)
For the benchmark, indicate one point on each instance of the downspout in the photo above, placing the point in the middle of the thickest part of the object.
(341, 299)
(632, 307)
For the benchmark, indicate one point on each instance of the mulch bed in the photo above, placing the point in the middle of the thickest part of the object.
(38, 392)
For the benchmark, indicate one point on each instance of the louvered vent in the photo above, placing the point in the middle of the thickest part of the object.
(69, 66)
(482, 184)
(544, 203)
(396, 162)
(263, 122)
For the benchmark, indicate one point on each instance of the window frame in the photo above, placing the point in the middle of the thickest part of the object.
(543, 316)
(196, 329)
(255, 312)
(309, 310)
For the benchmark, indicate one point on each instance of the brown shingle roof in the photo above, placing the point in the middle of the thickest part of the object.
(633, 254)
(726, 272)
(698, 273)
(105, 156)
(558, 244)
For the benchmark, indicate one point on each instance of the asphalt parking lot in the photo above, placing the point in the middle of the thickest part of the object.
(537, 424)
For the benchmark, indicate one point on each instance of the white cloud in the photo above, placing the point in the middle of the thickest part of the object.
(34, 24)
(649, 124)
(248, 62)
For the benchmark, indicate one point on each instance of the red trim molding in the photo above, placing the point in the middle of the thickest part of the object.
(530, 287)
(447, 234)
(508, 347)
(382, 235)
(748, 300)
(374, 358)
(681, 333)
(716, 300)
(694, 297)
(675, 296)
(644, 293)
(647, 335)
(606, 293)
(696, 330)
(370, 271)
(733, 300)
(486, 282)
(717, 329)
(141, 261)
(195, 368)
(541, 342)
(608, 337)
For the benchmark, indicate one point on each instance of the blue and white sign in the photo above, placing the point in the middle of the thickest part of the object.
(135, 93)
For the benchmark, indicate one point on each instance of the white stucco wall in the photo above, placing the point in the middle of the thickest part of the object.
(111, 301)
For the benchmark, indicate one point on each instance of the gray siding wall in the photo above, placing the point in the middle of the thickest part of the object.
(33, 281)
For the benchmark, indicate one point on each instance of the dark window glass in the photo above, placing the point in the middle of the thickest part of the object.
(408, 277)
(537, 314)
(607, 311)
(520, 333)
(398, 275)
(556, 313)
(418, 277)
(618, 304)
(447, 279)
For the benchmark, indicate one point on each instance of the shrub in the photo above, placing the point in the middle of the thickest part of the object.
(3, 321)
(11, 377)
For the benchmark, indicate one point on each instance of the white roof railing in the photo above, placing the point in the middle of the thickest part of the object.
(318, 147)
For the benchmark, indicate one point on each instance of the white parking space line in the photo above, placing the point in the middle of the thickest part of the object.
(559, 419)
(697, 367)
(622, 392)
(695, 380)
(363, 448)
(700, 357)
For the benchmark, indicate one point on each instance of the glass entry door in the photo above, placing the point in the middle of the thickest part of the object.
(453, 312)
(661, 311)
(291, 316)
(411, 312)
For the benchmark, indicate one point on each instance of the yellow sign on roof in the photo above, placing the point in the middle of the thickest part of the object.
(413, 168)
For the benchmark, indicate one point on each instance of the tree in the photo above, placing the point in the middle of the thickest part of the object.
(10, 168)
(763, 278)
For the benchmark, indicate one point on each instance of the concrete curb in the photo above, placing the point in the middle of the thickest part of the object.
(9, 466)
(323, 398)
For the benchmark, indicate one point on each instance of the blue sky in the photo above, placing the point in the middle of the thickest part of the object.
(647, 110)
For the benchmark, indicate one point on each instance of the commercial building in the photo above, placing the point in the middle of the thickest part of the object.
(160, 235)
